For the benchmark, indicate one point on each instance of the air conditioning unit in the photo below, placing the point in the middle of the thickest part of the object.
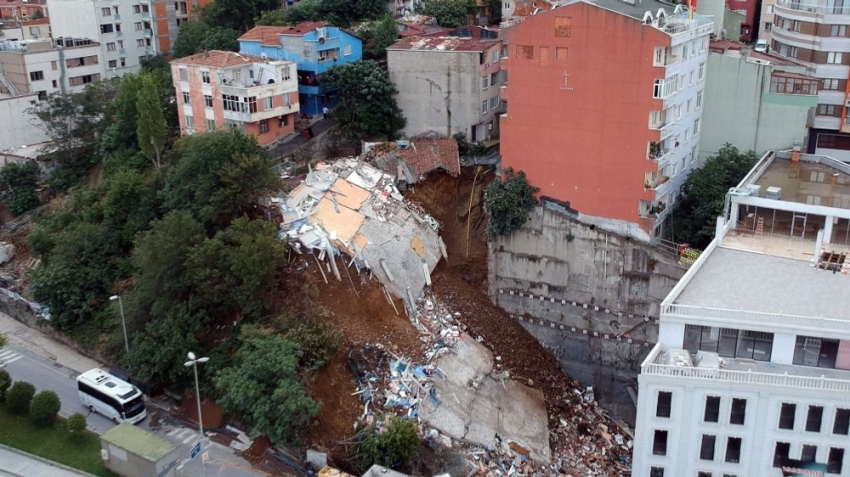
(264, 55)
(774, 193)
(753, 189)
(104, 454)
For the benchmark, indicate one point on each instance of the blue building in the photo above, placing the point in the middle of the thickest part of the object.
(314, 47)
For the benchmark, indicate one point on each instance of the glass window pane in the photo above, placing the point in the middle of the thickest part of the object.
(728, 342)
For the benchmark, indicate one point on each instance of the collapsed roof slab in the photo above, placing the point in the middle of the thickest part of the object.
(337, 218)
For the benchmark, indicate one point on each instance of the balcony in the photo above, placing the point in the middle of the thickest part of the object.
(122, 51)
(148, 32)
(117, 17)
(146, 15)
(655, 181)
(754, 373)
(813, 8)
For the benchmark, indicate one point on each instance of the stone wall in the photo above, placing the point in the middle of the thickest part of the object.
(328, 145)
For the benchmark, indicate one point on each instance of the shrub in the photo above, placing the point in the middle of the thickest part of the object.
(397, 445)
(76, 423)
(509, 202)
(19, 396)
(318, 340)
(5, 383)
(44, 408)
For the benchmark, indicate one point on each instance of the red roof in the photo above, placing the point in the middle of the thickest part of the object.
(268, 35)
(219, 59)
(449, 40)
(426, 154)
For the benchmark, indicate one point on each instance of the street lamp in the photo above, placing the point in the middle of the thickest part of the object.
(193, 362)
(123, 323)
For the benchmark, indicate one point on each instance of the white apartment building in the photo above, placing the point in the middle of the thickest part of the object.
(46, 66)
(751, 373)
(124, 29)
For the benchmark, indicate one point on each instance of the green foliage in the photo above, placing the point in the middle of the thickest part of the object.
(377, 36)
(76, 423)
(343, 12)
(448, 13)
(236, 15)
(264, 389)
(303, 11)
(196, 37)
(160, 67)
(367, 107)
(5, 383)
(19, 183)
(158, 352)
(44, 408)
(219, 176)
(319, 341)
(508, 202)
(465, 148)
(19, 396)
(150, 129)
(3, 340)
(78, 274)
(121, 133)
(397, 445)
(695, 219)
(41, 241)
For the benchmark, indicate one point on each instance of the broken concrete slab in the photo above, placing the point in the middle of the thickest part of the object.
(477, 413)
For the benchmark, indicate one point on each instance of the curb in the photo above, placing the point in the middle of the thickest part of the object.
(46, 461)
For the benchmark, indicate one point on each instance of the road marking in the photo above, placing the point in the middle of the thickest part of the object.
(173, 431)
(8, 356)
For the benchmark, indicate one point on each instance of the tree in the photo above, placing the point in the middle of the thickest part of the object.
(303, 11)
(378, 36)
(160, 66)
(19, 183)
(130, 203)
(158, 351)
(44, 408)
(5, 383)
(150, 130)
(264, 389)
(19, 396)
(318, 340)
(367, 107)
(344, 12)
(448, 13)
(397, 445)
(196, 37)
(236, 14)
(703, 194)
(76, 423)
(508, 202)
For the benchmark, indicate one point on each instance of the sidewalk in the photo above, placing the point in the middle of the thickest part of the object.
(30, 339)
(15, 463)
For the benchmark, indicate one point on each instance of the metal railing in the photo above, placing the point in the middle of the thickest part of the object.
(755, 317)
(814, 7)
(13, 90)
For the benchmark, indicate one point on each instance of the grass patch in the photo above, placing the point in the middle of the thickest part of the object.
(56, 443)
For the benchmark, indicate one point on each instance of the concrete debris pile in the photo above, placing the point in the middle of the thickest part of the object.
(351, 208)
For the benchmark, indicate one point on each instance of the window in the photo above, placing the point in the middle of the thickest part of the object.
(823, 110)
(138, 26)
(780, 453)
(208, 101)
(663, 405)
(842, 422)
(706, 448)
(110, 46)
(105, 11)
(35, 31)
(123, 62)
(696, 131)
(264, 126)
(660, 56)
(770, 9)
(494, 79)
(268, 104)
(55, 85)
(346, 50)
(786, 415)
(282, 121)
(703, 474)
(809, 351)
(701, 73)
(795, 25)
(186, 99)
(232, 103)
(485, 82)
(137, 9)
(768, 27)
(838, 30)
(184, 74)
(332, 54)
(814, 419)
(733, 450)
(113, 63)
(835, 461)
(120, 44)
(42, 95)
(659, 443)
(483, 107)
(54, 65)
(210, 125)
(712, 409)
(792, 85)
(656, 472)
(287, 73)
(563, 27)
(831, 84)
(205, 77)
(739, 411)
(524, 52)
(562, 52)
(115, 10)
(107, 28)
(36, 75)
(252, 104)
(751, 344)
(834, 57)
(140, 42)
(190, 123)
(494, 56)
(699, 100)
(658, 89)
(809, 453)
(145, 8)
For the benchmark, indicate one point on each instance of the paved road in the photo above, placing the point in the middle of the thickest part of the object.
(45, 374)
(288, 147)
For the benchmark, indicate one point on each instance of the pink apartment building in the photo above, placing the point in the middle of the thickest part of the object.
(224, 89)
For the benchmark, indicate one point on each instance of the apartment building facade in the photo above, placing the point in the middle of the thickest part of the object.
(449, 81)
(15, 30)
(48, 66)
(22, 10)
(222, 89)
(755, 101)
(751, 372)
(608, 123)
(125, 29)
(314, 47)
(817, 34)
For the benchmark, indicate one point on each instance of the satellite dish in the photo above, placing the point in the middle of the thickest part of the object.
(321, 40)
